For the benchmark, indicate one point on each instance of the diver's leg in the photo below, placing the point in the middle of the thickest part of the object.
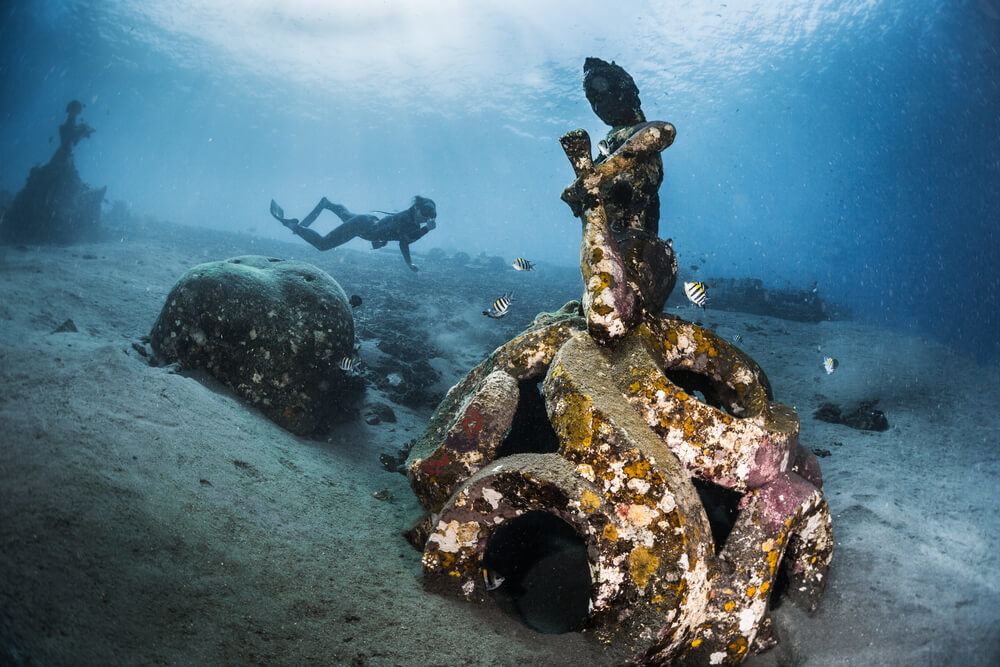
(356, 226)
(325, 203)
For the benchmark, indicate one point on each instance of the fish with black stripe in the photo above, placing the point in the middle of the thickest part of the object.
(696, 292)
(500, 307)
(521, 264)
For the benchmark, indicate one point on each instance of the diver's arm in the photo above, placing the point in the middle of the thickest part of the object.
(421, 231)
(404, 247)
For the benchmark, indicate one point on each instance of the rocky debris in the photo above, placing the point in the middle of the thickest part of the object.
(66, 327)
(376, 413)
(396, 462)
(863, 417)
(749, 295)
(55, 205)
(383, 495)
(140, 349)
(274, 331)
(821, 453)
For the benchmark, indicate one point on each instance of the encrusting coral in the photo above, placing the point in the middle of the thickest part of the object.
(637, 406)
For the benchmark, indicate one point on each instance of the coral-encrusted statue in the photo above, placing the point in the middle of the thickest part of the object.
(648, 422)
(55, 205)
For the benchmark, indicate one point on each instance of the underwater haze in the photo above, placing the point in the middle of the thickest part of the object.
(472, 412)
(851, 143)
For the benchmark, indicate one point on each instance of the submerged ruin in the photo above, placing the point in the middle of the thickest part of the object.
(55, 205)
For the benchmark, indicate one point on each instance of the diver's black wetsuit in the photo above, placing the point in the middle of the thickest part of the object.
(406, 226)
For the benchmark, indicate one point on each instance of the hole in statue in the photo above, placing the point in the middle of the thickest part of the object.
(721, 506)
(538, 568)
(708, 390)
(530, 432)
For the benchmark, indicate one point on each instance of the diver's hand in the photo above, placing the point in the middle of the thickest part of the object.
(413, 267)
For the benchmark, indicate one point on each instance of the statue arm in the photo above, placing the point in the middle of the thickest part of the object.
(609, 304)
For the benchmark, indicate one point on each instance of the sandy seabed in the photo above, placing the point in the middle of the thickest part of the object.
(150, 517)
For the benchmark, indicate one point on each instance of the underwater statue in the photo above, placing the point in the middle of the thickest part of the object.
(406, 226)
(654, 447)
(55, 205)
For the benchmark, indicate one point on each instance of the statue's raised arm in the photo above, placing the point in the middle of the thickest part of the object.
(627, 269)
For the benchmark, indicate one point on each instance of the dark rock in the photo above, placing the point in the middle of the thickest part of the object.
(66, 327)
(355, 301)
(382, 494)
(436, 255)
(863, 417)
(274, 331)
(459, 258)
(396, 462)
(372, 419)
(828, 412)
(381, 412)
(749, 295)
(822, 453)
(866, 418)
(141, 349)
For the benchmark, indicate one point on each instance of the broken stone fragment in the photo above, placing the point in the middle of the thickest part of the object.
(69, 326)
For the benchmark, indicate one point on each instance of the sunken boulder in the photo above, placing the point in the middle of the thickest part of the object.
(272, 330)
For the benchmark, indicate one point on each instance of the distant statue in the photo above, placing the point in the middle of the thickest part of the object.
(405, 226)
(628, 269)
(71, 132)
(55, 205)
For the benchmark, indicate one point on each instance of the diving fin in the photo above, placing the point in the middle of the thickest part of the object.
(277, 212)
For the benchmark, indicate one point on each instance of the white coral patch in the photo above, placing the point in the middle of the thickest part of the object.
(638, 485)
(493, 497)
(667, 503)
(453, 535)
(716, 658)
(748, 618)
(641, 515)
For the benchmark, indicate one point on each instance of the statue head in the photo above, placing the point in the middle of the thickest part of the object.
(612, 93)
(74, 108)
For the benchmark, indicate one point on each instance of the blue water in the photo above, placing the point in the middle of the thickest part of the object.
(852, 143)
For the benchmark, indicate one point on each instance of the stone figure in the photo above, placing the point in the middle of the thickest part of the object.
(655, 446)
(55, 205)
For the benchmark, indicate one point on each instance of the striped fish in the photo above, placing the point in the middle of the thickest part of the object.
(697, 293)
(737, 338)
(521, 264)
(500, 307)
(348, 364)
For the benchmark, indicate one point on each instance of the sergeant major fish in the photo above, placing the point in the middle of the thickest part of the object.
(348, 364)
(521, 264)
(696, 292)
(500, 307)
(492, 580)
(830, 365)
